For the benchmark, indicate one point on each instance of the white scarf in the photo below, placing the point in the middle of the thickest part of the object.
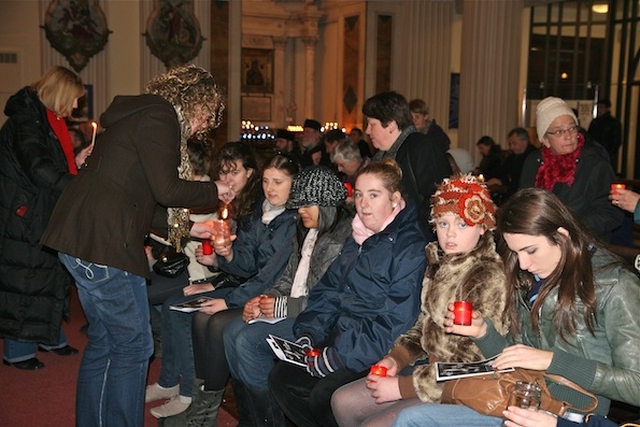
(299, 286)
(269, 211)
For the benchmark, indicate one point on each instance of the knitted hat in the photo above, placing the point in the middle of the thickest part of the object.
(466, 197)
(317, 185)
(548, 110)
(313, 124)
(285, 134)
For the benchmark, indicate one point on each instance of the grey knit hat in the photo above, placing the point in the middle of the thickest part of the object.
(317, 185)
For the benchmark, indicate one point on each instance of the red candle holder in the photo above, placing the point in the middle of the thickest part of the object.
(312, 352)
(615, 187)
(207, 249)
(349, 188)
(462, 311)
(378, 370)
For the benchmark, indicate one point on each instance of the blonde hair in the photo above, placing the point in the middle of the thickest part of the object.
(194, 93)
(58, 89)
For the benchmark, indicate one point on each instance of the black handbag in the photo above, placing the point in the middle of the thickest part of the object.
(171, 263)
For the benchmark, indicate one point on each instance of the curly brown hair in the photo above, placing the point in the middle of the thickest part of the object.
(195, 95)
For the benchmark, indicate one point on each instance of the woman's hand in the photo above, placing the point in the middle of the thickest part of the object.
(213, 306)
(267, 305)
(202, 230)
(197, 289)
(478, 327)
(206, 259)
(251, 309)
(383, 389)
(523, 356)
(81, 157)
(519, 417)
(225, 192)
(224, 249)
(624, 199)
(391, 365)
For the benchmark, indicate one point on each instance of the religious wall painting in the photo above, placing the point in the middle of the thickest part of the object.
(173, 32)
(257, 70)
(77, 29)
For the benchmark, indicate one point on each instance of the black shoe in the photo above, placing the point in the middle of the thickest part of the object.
(28, 365)
(67, 350)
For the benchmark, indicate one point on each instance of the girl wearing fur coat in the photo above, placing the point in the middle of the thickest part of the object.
(463, 265)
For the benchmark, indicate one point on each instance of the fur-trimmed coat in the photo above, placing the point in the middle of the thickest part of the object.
(477, 276)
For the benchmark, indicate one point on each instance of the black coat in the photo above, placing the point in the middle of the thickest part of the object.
(34, 286)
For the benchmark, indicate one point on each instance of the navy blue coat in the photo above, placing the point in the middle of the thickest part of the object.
(369, 295)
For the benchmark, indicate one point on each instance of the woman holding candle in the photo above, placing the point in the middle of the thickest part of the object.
(463, 267)
(325, 224)
(571, 166)
(259, 255)
(367, 298)
(572, 307)
(37, 162)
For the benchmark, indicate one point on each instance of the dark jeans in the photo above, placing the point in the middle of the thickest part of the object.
(306, 400)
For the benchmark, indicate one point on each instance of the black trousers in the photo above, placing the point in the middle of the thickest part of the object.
(306, 400)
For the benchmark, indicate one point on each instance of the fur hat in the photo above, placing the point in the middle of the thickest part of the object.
(466, 197)
(285, 134)
(317, 185)
(313, 124)
(548, 110)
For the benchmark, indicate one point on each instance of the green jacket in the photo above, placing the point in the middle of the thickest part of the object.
(607, 363)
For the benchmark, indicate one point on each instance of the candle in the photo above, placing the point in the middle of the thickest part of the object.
(349, 188)
(222, 229)
(480, 178)
(378, 370)
(312, 352)
(462, 311)
(207, 249)
(615, 187)
(94, 125)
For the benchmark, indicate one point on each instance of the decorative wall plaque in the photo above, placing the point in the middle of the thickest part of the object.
(173, 32)
(77, 29)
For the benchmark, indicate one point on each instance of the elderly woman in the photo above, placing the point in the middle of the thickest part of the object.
(423, 163)
(346, 156)
(572, 167)
(140, 168)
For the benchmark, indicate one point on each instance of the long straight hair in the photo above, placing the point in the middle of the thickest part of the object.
(537, 212)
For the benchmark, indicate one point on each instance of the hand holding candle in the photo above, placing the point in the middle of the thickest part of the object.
(462, 311)
(207, 249)
(378, 370)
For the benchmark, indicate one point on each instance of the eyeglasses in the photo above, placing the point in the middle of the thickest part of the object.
(561, 132)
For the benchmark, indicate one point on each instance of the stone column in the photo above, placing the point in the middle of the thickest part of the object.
(279, 44)
(310, 43)
(489, 70)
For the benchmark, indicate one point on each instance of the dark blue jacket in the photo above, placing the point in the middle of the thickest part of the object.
(261, 253)
(369, 295)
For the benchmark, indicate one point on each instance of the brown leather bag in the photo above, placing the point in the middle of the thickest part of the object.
(489, 394)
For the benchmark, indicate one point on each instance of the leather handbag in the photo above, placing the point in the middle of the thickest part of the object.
(489, 394)
(171, 263)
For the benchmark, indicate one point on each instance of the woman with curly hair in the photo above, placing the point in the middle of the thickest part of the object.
(139, 167)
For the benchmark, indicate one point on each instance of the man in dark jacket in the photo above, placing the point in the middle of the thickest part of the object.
(139, 167)
(607, 130)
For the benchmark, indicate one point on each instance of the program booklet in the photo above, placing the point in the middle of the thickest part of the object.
(191, 305)
(287, 351)
(450, 371)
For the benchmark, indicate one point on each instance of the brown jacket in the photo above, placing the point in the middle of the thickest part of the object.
(105, 212)
(477, 276)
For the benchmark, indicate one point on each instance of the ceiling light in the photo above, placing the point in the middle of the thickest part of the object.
(600, 8)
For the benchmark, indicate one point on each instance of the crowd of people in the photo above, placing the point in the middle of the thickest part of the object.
(351, 254)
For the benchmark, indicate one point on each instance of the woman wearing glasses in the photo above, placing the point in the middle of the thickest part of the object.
(572, 166)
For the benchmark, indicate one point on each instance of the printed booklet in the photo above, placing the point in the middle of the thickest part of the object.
(191, 305)
(288, 351)
(450, 371)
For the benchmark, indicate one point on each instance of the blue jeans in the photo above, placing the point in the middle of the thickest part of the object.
(441, 415)
(249, 356)
(113, 372)
(19, 351)
(178, 365)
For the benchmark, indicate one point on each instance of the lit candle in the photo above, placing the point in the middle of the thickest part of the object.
(378, 370)
(312, 352)
(480, 178)
(94, 125)
(462, 311)
(615, 187)
(222, 229)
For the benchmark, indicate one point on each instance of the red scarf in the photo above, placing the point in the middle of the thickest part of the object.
(62, 132)
(558, 168)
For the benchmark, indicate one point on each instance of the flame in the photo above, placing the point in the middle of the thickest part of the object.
(95, 126)
(225, 213)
